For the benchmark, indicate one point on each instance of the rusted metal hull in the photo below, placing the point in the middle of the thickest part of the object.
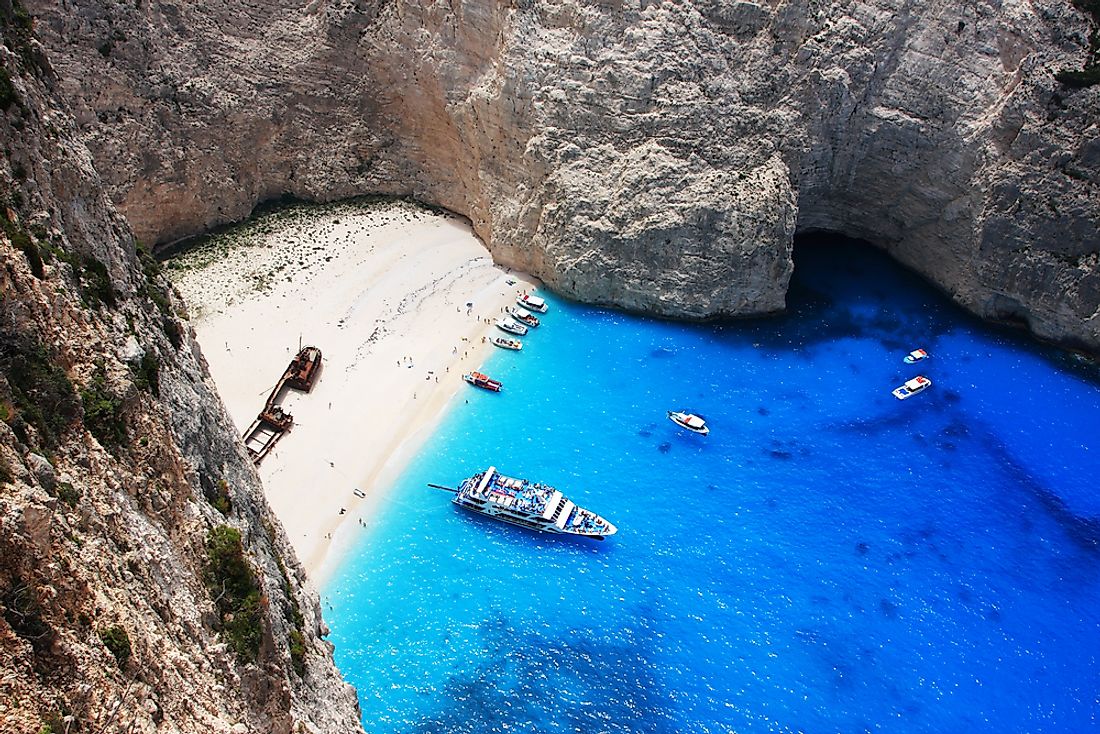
(303, 369)
(273, 421)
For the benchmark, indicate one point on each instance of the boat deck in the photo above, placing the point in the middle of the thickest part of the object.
(532, 504)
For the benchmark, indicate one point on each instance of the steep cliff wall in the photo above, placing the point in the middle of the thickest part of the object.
(675, 146)
(653, 155)
(118, 468)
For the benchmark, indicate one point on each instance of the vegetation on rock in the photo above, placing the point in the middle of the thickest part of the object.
(103, 412)
(147, 372)
(42, 396)
(118, 642)
(292, 612)
(22, 240)
(232, 584)
(18, 29)
(1090, 74)
(8, 95)
(155, 291)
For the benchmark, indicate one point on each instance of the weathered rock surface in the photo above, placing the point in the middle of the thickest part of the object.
(653, 155)
(111, 431)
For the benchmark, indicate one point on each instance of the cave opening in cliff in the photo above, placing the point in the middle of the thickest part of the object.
(860, 263)
(844, 287)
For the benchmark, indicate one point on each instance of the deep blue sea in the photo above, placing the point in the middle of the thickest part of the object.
(829, 559)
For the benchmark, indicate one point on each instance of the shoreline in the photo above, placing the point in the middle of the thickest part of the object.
(395, 296)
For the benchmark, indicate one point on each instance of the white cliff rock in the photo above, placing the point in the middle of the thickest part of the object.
(653, 155)
(107, 618)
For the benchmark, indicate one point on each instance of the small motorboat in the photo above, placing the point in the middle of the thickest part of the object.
(531, 303)
(511, 326)
(523, 316)
(477, 379)
(912, 387)
(916, 356)
(506, 343)
(690, 421)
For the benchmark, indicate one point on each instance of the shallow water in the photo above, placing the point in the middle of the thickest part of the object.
(828, 559)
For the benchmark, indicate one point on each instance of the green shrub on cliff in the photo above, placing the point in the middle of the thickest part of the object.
(22, 240)
(18, 26)
(95, 283)
(42, 396)
(158, 294)
(1090, 74)
(298, 651)
(1084, 78)
(236, 595)
(103, 413)
(8, 95)
(118, 642)
(147, 372)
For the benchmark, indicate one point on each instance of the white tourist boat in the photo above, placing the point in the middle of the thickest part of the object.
(523, 316)
(690, 421)
(531, 303)
(506, 343)
(511, 326)
(915, 356)
(912, 387)
(528, 504)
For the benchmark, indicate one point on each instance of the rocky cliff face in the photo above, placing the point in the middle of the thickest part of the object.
(653, 155)
(118, 467)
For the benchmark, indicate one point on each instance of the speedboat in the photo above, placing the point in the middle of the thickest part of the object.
(511, 326)
(531, 303)
(477, 379)
(690, 421)
(916, 356)
(912, 387)
(528, 504)
(506, 343)
(523, 315)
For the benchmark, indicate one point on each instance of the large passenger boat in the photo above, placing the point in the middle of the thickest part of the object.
(529, 504)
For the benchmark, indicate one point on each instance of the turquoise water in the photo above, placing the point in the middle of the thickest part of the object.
(829, 559)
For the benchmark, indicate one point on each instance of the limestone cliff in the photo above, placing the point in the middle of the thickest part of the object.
(144, 584)
(652, 155)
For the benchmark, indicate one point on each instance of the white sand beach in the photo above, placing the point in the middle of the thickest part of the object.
(383, 290)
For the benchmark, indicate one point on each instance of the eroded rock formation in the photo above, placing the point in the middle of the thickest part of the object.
(653, 155)
(117, 461)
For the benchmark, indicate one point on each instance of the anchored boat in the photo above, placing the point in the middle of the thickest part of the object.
(916, 356)
(523, 316)
(690, 421)
(478, 379)
(506, 343)
(511, 326)
(912, 387)
(531, 303)
(528, 504)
